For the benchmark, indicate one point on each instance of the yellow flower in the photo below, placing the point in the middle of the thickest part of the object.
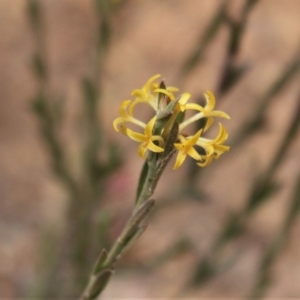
(170, 110)
(149, 93)
(126, 117)
(186, 148)
(210, 146)
(213, 148)
(205, 112)
(146, 139)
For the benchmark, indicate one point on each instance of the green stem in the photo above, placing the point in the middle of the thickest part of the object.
(132, 230)
(135, 226)
(149, 185)
(138, 215)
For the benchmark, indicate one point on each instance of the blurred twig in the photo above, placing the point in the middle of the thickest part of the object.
(257, 121)
(211, 30)
(278, 85)
(86, 189)
(230, 74)
(264, 276)
(263, 187)
(105, 264)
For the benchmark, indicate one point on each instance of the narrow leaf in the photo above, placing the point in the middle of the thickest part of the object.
(139, 231)
(97, 284)
(142, 180)
(142, 213)
(100, 261)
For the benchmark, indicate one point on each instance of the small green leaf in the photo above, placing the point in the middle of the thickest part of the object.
(142, 180)
(136, 226)
(169, 147)
(142, 213)
(100, 261)
(139, 231)
(97, 284)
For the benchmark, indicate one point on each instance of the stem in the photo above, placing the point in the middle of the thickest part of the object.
(135, 226)
(149, 185)
(132, 230)
(138, 215)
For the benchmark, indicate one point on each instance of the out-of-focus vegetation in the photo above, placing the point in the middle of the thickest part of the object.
(87, 168)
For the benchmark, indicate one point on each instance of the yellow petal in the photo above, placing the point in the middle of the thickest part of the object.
(208, 124)
(124, 105)
(194, 154)
(123, 129)
(117, 122)
(195, 138)
(206, 162)
(222, 136)
(154, 148)
(184, 98)
(137, 93)
(220, 149)
(179, 146)
(196, 106)
(209, 150)
(172, 89)
(210, 100)
(163, 91)
(179, 160)
(142, 151)
(149, 126)
(150, 81)
(133, 104)
(138, 137)
(218, 113)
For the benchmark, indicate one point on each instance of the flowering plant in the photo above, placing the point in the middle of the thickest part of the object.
(160, 139)
(170, 112)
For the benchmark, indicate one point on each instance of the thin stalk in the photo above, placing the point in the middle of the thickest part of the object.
(135, 226)
(132, 230)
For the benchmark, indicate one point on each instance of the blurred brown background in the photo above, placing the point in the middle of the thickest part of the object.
(149, 37)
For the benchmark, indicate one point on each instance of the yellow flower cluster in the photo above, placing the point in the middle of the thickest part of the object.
(166, 105)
